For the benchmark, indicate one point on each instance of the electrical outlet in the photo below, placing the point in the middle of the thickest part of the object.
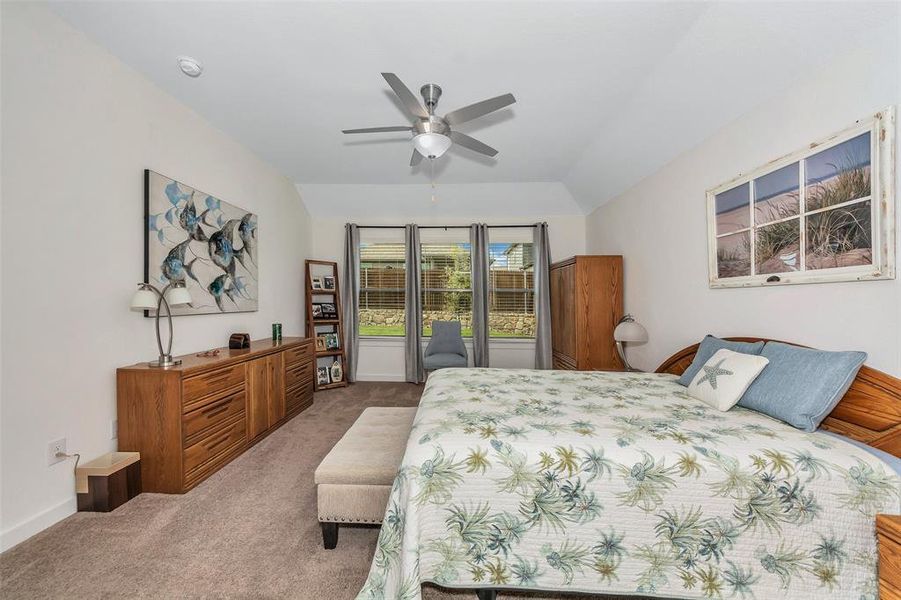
(54, 448)
(113, 429)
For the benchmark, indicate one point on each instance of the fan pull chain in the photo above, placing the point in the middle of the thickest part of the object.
(432, 178)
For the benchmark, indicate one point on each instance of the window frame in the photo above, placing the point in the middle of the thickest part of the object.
(881, 127)
(377, 237)
(443, 238)
(511, 239)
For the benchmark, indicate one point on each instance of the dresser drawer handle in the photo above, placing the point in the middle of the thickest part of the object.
(222, 438)
(219, 378)
(217, 404)
(212, 413)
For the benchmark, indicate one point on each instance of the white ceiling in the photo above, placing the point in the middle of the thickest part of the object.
(606, 92)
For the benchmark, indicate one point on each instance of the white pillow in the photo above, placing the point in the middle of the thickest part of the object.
(723, 379)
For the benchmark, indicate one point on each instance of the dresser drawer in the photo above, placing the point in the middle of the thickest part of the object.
(199, 386)
(211, 414)
(298, 373)
(299, 396)
(216, 443)
(301, 353)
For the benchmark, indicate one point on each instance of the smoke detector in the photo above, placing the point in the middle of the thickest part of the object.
(190, 66)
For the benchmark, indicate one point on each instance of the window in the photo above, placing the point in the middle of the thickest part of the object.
(446, 278)
(511, 289)
(382, 283)
(812, 216)
(447, 282)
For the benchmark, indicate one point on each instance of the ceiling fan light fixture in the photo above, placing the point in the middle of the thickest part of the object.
(431, 145)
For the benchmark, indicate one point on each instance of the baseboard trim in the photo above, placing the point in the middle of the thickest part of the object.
(379, 377)
(36, 524)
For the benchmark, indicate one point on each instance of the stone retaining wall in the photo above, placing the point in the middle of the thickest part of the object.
(509, 323)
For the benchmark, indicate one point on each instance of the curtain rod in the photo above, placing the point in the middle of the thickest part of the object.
(443, 226)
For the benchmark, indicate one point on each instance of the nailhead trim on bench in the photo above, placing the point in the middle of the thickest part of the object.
(343, 520)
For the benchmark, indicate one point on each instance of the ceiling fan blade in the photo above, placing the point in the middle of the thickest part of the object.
(416, 158)
(378, 129)
(474, 111)
(409, 101)
(472, 143)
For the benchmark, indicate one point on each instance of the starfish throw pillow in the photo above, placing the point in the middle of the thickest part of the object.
(723, 379)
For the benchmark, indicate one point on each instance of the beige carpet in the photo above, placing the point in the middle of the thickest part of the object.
(250, 531)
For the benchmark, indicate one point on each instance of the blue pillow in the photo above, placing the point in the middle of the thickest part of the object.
(709, 346)
(801, 386)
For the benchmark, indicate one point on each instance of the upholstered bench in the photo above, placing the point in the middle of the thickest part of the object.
(354, 480)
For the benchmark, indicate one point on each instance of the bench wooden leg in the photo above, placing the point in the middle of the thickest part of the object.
(329, 535)
(486, 594)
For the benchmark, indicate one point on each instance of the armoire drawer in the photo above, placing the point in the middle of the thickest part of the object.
(563, 362)
(301, 353)
(298, 373)
(217, 442)
(199, 386)
(209, 415)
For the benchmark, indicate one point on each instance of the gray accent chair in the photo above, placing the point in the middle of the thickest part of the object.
(446, 348)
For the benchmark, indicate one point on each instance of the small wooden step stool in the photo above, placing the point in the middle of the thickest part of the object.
(108, 481)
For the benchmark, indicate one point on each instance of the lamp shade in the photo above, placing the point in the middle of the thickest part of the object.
(431, 145)
(630, 331)
(178, 295)
(144, 299)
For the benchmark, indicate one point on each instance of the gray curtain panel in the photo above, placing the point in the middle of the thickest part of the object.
(478, 237)
(413, 306)
(351, 286)
(542, 250)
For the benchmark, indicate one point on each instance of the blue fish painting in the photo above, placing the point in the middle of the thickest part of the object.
(202, 241)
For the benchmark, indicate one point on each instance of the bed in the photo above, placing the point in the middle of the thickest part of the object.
(622, 483)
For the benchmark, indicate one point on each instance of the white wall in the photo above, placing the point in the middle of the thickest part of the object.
(456, 200)
(382, 359)
(78, 129)
(660, 227)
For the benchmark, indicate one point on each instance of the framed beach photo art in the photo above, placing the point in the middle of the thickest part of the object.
(822, 214)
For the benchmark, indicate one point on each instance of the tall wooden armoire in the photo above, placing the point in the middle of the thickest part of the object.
(586, 304)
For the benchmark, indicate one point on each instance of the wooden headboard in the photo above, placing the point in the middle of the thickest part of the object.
(870, 412)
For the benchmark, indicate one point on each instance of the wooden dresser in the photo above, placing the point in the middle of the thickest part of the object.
(190, 420)
(586, 304)
(888, 533)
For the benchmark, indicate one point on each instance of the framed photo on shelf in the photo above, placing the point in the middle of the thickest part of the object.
(329, 311)
(320, 343)
(322, 376)
(317, 311)
(331, 341)
(316, 283)
(328, 283)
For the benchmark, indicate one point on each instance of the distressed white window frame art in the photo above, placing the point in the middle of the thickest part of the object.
(881, 127)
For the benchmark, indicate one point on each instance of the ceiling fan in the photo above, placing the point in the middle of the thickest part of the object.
(432, 135)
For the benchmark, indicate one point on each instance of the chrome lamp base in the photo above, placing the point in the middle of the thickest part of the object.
(164, 361)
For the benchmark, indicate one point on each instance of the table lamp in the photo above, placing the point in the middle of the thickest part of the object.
(628, 330)
(148, 297)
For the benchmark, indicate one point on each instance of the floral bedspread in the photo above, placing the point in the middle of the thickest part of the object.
(623, 483)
